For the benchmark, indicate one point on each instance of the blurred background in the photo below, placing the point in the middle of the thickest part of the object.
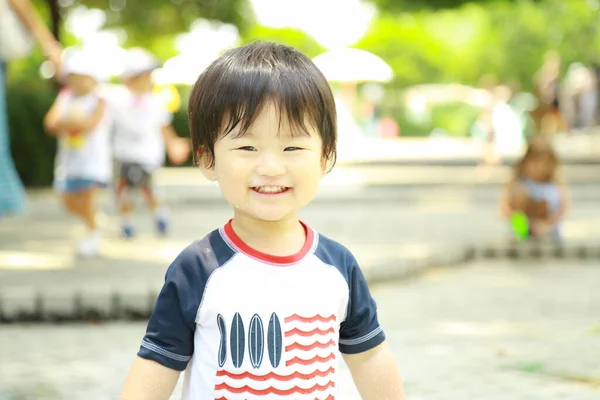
(436, 99)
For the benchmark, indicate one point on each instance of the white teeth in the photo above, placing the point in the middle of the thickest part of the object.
(269, 189)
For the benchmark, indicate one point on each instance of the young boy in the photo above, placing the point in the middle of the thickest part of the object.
(78, 118)
(257, 308)
(142, 131)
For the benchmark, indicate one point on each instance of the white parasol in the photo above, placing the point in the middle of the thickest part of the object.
(353, 65)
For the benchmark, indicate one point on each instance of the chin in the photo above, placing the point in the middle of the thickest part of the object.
(274, 217)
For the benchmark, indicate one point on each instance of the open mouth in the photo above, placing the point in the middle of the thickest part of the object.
(270, 190)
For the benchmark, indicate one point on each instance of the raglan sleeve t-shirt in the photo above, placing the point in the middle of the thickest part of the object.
(242, 324)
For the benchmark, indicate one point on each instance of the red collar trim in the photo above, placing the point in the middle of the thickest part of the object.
(238, 245)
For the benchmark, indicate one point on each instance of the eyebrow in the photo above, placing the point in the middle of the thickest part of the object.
(289, 135)
(246, 134)
(236, 135)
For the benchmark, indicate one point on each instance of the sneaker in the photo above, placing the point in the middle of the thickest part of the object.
(162, 225)
(90, 245)
(127, 231)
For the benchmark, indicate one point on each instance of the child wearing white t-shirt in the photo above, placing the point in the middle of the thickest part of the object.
(80, 121)
(142, 134)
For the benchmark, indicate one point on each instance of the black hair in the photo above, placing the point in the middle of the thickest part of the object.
(236, 86)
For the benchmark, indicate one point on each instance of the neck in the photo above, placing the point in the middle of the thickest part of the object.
(280, 238)
(82, 93)
(140, 89)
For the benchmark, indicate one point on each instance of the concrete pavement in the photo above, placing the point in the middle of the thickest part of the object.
(355, 184)
(573, 148)
(397, 221)
(483, 331)
(40, 277)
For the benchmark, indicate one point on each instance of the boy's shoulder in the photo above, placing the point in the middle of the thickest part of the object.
(335, 254)
(332, 246)
(201, 257)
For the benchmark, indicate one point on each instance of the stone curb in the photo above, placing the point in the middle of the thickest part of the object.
(461, 161)
(49, 205)
(97, 302)
(538, 251)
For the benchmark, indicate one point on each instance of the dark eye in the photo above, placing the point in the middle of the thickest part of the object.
(291, 148)
(247, 148)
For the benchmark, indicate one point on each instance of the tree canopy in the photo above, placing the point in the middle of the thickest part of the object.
(396, 6)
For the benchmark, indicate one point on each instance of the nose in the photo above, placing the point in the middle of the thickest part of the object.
(270, 164)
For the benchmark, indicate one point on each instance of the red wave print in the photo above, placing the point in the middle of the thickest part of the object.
(272, 375)
(316, 359)
(314, 332)
(315, 318)
(330, 397)
(272, 390)
(315, 345)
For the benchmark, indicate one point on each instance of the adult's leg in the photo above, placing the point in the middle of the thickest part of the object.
(12, 193)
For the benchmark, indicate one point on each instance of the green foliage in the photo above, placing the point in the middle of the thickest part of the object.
(289, 36)
(506, 39)
(454, 118)
(397, 6)
(180, 119)
(28, 101)
(404, 43)
(429, 41)
(524, 32)
(150, 18)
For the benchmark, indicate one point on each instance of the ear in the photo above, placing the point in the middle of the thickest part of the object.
(326, 162)
(204, 161)
(323, 166)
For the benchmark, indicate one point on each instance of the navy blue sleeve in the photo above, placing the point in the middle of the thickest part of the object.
(169, 338)
(360, 331)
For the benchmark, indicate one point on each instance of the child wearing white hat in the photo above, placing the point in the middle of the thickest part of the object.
(80, 121)
(142, 134)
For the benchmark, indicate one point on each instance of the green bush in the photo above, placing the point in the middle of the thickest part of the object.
(33, 151)
(181, 126)
(453, 118)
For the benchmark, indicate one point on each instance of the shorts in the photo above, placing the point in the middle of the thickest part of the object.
(132, 175)
(73, 185)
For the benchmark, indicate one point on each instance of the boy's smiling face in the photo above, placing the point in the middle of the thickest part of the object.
(272, 170)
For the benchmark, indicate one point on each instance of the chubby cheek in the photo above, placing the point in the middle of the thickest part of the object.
(235, 194)
(308, 176)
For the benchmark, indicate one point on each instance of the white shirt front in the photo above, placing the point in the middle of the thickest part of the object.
(83, 155)
(138, 123)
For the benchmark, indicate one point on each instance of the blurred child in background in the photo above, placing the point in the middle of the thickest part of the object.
(535, 200)
(142, 133)
(79, 120)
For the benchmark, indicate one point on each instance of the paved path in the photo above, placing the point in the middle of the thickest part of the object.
(38, 252)
(572, 148)
(184, 186)
(485, 331)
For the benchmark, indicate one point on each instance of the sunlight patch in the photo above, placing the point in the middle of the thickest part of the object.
(16, 260)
